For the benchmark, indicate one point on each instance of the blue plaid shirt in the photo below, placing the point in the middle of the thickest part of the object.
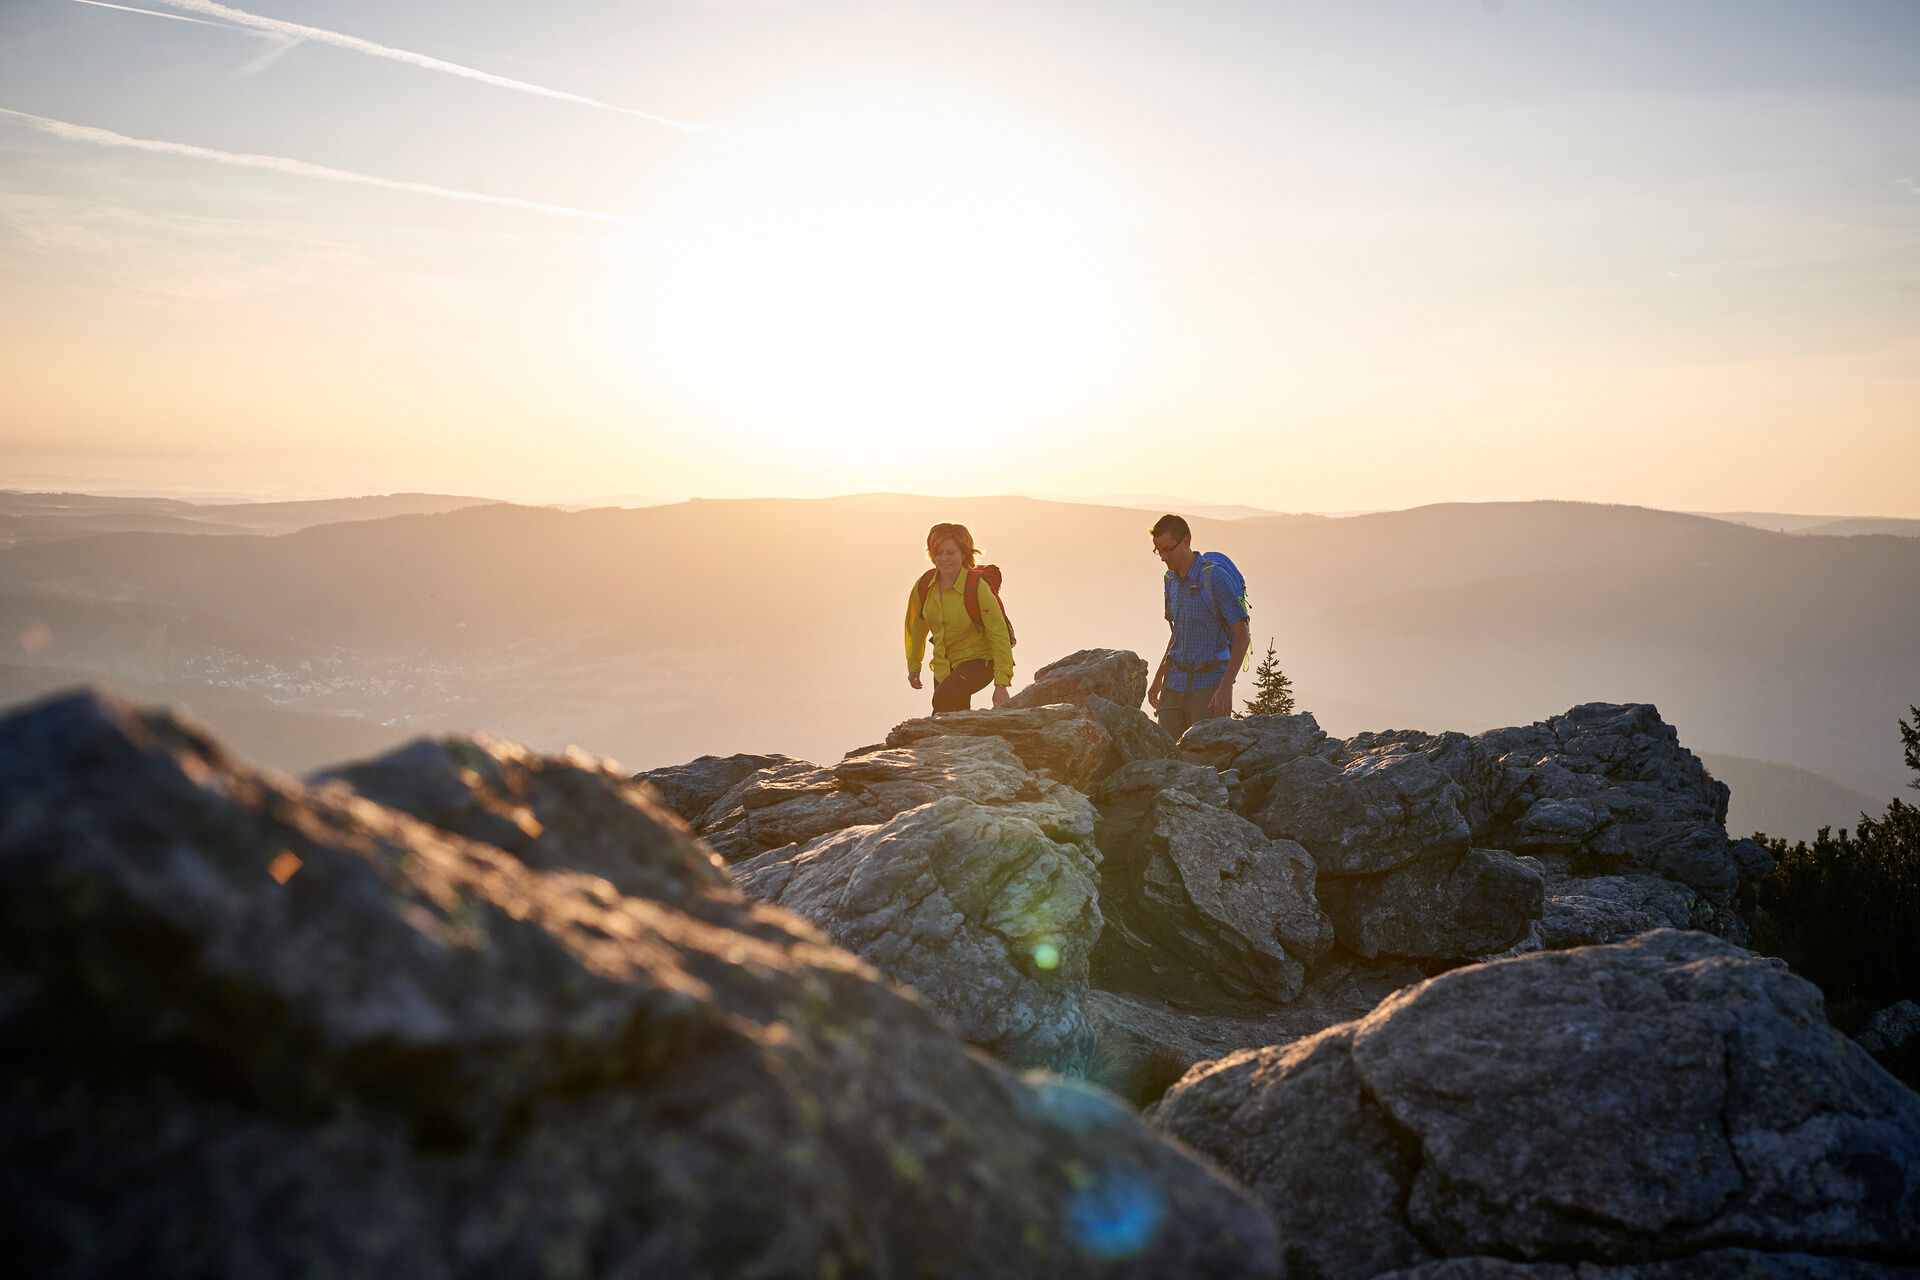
(1203, 610)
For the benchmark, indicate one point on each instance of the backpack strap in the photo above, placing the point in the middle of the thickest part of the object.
(973, 597)
(924, 586)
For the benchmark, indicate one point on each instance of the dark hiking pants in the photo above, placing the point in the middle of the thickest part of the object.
(955, 693)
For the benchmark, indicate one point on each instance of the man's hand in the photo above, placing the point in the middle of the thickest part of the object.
(1221, 703)
(913, 678)
(1000, 695)
(1153, 690)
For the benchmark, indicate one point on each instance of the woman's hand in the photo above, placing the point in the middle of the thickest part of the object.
(1000, 695)
(913, 678)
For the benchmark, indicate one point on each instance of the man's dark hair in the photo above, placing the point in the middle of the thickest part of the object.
(1174, 526)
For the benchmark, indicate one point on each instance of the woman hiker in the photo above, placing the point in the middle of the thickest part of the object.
(956, 604)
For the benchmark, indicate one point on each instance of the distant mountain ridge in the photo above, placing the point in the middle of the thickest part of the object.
(39, 517)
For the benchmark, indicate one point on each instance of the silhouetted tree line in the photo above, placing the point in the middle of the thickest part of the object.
(1844, 911)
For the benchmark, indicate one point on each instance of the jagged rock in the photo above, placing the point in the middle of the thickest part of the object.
(1127, 796)
(1891, 1029)
(690, 789)
(1146, 1042)
(252, 1028)
(975, 907)
(774, 807)
(1132, 735)
(1117, 675)
(571, 812)
(1366, 813)
(790, 804)
(1255, 748)
(1184, 878)
(1064, 742)
(1607, 788)
(1465, 904)
(1648, 1101)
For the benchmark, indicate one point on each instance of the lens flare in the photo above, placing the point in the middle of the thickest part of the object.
(1046, 956)
(1116, 1217)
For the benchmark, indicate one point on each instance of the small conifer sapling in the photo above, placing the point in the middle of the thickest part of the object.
(1272, 691)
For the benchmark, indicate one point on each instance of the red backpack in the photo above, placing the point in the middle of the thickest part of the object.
(991, 574)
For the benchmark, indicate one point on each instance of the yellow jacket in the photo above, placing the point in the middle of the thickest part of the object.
(955, 638)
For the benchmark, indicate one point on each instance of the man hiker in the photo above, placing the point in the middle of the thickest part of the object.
(1206, 608)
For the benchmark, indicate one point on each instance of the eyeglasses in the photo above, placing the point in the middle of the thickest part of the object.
(1164, 552)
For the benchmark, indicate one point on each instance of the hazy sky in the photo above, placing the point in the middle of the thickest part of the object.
(1314, 256)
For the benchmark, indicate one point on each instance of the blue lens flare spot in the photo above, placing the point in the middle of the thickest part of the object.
(1046, 956)
(1116, 1217)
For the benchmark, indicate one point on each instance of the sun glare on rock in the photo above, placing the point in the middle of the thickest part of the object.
(875, 264)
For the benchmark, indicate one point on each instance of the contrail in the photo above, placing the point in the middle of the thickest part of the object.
(320, 35)
(293, 168)
(151, 13)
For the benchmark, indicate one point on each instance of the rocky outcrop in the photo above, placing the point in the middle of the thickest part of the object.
(1255, 748)
(1132, 735)
(1602, 793)
(1117, 675)
(1602, 789)
(977, 908)
(1371, 812)
(1063, 742)
(1656, 1101)
(254, 1028)
(1467, 904)
(793, 803)
(1186, 880)
(690, 789)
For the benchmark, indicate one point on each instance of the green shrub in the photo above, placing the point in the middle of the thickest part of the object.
(1844, 911)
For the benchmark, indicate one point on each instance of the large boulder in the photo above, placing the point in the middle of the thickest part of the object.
(1650, 1101)
(1365, 813)
(791, 804)
(990, 913)
(690, 789)
(252, 1028)
(1466, 904)
(1062, 741)
(1117, 675)
(1183, 878)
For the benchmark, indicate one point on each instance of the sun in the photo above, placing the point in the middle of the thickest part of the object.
(872, 266)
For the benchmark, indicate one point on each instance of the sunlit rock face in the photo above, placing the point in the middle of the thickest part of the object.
(1653, 1101)
(1063, 742)
(1118, 675)
(990, 912)
(255, 1028)
(790, 804)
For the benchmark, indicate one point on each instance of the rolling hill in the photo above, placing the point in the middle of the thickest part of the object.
(656, 634)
